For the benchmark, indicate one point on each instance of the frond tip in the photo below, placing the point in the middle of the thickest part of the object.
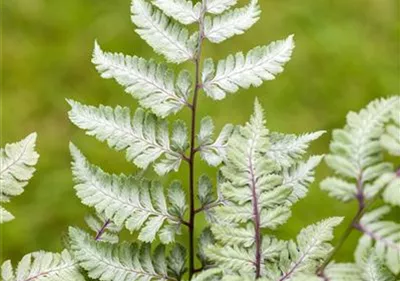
(242, 71)
(164, 35)
(17, 161)
(231, 23)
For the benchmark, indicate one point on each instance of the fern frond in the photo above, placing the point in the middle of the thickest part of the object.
(43, 266)
(219, 6)
(17, 161)
(233, 22)
(257, 193)
(356, 147)
(250, 174)
(144, 136)
(213, 152)
(125, 200)
(151, 83)
(300, 176)
(356, 154)
(305, 256)
(180, 10)
(390, 140)
(259, 64)
(286, 149)
(164, 35)
(384, 235)
(109, 262)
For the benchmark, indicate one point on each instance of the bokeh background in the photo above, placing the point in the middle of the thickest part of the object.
(347, 54)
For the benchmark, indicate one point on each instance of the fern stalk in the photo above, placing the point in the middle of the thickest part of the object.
(360, 211)
(193, 150)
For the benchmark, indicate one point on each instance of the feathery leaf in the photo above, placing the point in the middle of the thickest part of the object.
(17, 161)
(239, 71)
(144, 136)
(151, 83)
(233, 22)
(300, 176)
(43, 266)
(181, 10)
(110, 262)
(164, 35)
(305, 256)
(125, 200)
(219, 6)
(286, 149)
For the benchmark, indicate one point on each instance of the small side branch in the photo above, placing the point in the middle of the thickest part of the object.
(360, 212)
(102, 230)
(208, 206)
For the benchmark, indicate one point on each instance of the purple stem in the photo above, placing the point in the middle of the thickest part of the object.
(102, 230)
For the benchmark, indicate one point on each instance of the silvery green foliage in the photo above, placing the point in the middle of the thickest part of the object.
(356, 154)
(152, 84)
(242, 71)
(363, 174)
(127, 200)
(262, 175)
(163, 34)
(43, 266)
(111, 262)
(233, 22)
(144, 136)
(18, 162)
(256, 197)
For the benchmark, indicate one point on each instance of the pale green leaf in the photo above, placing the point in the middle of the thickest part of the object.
(240, 71)
(17, 161)
(232, 22)
(164, 35)
(43, 266)
(145, 137)
(151, 83)
(125, 200)
(181, 10)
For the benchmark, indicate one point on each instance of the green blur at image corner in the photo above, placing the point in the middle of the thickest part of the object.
(347, 54)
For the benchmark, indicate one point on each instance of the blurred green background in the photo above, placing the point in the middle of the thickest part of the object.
(347, 53)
